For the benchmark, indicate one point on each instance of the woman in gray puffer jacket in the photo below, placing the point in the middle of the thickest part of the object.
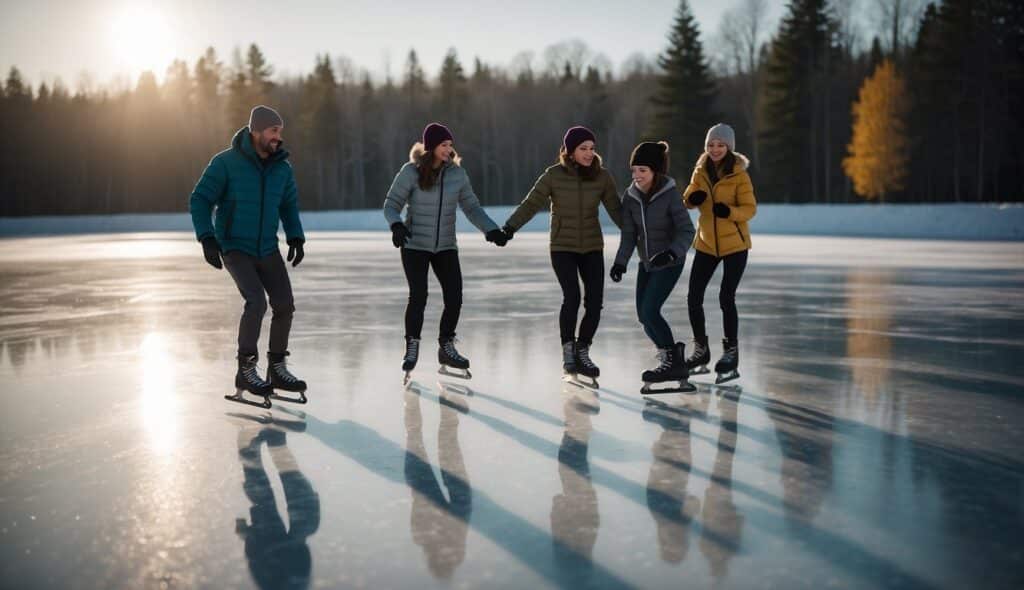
(429, 188)
(655, 222)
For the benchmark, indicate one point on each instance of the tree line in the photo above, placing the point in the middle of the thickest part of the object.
(929, 112)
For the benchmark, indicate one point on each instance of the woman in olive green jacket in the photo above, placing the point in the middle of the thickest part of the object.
(575, 187)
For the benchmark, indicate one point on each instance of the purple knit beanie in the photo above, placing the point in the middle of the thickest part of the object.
(434, 135)
(575, 136)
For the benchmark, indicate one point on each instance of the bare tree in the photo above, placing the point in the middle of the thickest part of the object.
(900, 19)
(740, 34)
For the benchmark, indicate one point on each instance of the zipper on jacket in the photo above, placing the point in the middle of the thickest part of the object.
(440, 202)
(579, 185)
(643, 225)
(714, 218)
(742, 239)
(259, 236)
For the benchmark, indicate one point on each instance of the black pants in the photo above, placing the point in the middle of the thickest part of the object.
(448, 272)
(570, 267)
(254, 276)
(704, 266)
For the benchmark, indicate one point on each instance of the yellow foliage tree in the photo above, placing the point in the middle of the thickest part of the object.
(878, 153)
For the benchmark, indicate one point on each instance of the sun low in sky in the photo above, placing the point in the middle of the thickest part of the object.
(139, 39)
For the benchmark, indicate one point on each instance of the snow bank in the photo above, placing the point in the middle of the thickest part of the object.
(938, 221)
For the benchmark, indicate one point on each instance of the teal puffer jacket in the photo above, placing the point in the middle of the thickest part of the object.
(251, 198)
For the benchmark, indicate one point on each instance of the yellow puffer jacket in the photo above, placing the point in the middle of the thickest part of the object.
(722, 236)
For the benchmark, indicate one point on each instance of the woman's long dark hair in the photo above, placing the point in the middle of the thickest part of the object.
(424, 161)
(586, 172)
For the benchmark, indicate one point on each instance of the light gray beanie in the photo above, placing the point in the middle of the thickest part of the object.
(262, 117)
(723, 133)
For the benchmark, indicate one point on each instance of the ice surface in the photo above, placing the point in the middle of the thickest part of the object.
(876, 441)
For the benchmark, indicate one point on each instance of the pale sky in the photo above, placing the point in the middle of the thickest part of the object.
(107, 38)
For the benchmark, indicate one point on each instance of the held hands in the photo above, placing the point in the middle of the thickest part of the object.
(211, 251)
(617, 271)
(663, 258)
(497, 237)
(721, 210)
(295, 251)
(399, 234)
(508, 231)
(697, 197)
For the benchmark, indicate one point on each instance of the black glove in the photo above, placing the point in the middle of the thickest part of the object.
(663, 258)
(211, 251)
(295, 250)
(508, 231)
(399, 234)
(697, 197)
(721, 210)
(617, 271)
(496, 236)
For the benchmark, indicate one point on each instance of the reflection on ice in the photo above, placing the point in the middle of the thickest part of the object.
(873, 440)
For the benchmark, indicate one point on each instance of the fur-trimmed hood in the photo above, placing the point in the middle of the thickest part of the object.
(742, 162)
(418, 149)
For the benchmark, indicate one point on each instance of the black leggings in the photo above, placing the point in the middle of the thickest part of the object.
(448, 272)
(570, 267)
(704, 266)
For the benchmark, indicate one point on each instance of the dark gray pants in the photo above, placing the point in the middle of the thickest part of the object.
(253, 276)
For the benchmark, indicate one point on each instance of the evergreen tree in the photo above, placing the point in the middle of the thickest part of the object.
(452, 89)
(878, 158)
(796, 100)
(258, 73)
(683, 102)
(415, 84)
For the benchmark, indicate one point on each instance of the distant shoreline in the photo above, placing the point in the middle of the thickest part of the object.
(943, 221)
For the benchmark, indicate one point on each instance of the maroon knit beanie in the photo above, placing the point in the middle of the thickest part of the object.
(434, 135)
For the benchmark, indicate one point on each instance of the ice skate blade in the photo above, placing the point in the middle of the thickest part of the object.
(238, 398)
(726, 377)
(407, 379)
(301, 399)
(679, 387)
(701, 370)
(581, 381)
(455, 388)
(453, 372)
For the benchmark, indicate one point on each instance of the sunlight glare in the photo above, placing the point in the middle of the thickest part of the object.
(141, 40)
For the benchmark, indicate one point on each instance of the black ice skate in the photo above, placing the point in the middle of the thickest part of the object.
(452, 363)
(569, 358)
(727, 365)
(281, 378)
(586, 371)
(412, 355)
(672, 372)
(697, 364)
(248, 379)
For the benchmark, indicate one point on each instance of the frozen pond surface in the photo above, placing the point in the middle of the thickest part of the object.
(876, 442)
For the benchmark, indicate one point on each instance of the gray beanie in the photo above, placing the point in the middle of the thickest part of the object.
(262, 117)
(723, 133)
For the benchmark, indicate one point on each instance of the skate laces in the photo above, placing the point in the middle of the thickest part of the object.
(449, 348)
(412, 349)
(664, 356)
(281, 368)
(250, 371)
(583, 352)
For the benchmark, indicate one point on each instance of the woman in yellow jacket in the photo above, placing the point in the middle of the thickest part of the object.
(721, 189)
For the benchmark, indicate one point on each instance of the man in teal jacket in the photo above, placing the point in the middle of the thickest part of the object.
(252, 188)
